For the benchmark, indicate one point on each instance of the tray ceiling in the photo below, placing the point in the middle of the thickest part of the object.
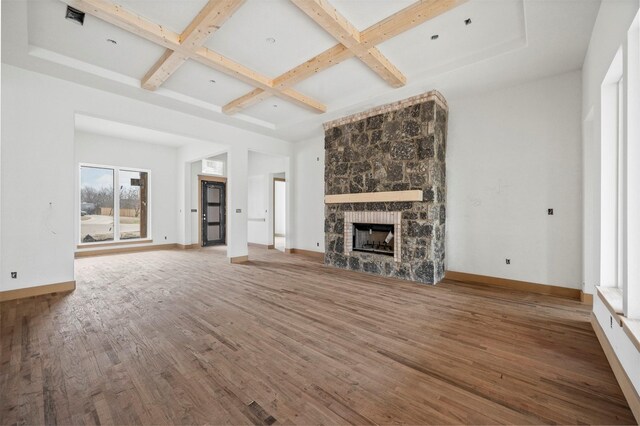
(498, 27)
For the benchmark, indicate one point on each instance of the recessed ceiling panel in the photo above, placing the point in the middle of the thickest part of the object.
(175, 15)
(278, 111)
(363, 14)
(343, 81)
(270, 37)
(493, 22)
(195, 80)
(48, 28)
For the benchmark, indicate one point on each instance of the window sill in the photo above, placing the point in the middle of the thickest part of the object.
(632, 328)
(114, 244)
(612, 299)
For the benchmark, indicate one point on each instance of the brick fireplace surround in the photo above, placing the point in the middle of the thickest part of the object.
(396, 147)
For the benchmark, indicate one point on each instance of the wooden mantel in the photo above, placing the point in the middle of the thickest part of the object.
(375, 197)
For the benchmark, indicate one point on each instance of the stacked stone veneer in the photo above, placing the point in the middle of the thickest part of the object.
(396, 147)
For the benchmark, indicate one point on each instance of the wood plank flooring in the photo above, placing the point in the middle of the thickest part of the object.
(184, 337)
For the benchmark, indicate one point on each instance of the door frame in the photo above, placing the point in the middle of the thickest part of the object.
(273, 206)
(218, 179)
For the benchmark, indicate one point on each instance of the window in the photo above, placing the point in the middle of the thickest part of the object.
(612, 176)
(619, 187)
(109, 216)
(620, 177)
(213, 167)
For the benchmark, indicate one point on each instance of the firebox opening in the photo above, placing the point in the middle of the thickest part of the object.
(373, 238)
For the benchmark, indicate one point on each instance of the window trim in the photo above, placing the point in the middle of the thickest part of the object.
(116, 207)
(620, 169)
(610, 144)
(623, 78)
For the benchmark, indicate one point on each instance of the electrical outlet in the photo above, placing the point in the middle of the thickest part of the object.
(165, 237)
(550, 212)
(317, 244)
(508, 261)
(238, 210)
(14, 275)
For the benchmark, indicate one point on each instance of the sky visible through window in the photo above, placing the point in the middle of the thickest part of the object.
(96, 178)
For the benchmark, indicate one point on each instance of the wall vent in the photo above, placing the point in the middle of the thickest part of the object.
(75, 15)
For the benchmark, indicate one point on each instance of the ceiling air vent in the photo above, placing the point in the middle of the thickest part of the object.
(75, 15)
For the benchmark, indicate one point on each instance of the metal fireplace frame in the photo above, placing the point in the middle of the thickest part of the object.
(380, 218)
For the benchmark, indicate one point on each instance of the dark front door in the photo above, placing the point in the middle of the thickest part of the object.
(213, 213)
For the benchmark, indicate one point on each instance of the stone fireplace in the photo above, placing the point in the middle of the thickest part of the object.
(385, 190)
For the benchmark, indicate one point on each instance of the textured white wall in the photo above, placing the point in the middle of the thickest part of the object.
(258, 209)
(279, 203)
(511, 155)
(307, 186)
(262, 169)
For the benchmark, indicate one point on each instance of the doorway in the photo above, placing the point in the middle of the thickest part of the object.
(279, 213)
(213, 209)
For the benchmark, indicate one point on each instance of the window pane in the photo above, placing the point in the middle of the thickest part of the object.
(213, 232)
(133, 204)
(96, 204)
(213, 167)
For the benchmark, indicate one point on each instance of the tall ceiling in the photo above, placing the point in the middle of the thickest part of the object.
(507, 42)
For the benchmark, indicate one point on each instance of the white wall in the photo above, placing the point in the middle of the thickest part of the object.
(258, 209)
(260, 163)
(196, 169)
(262, 169)
(511, 155)
(609, 34)
(307, 186)
(38, 233)
(279, 204)
(160, 160)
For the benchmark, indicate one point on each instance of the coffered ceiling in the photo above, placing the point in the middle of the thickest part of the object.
(238, 46)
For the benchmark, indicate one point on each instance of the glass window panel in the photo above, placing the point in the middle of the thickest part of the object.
(213, 195)
(213, 232)
(213, 213)
(96, 204)
(133, 204)
(213, 167)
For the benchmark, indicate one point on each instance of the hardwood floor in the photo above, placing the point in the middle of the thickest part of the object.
(184, 337)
